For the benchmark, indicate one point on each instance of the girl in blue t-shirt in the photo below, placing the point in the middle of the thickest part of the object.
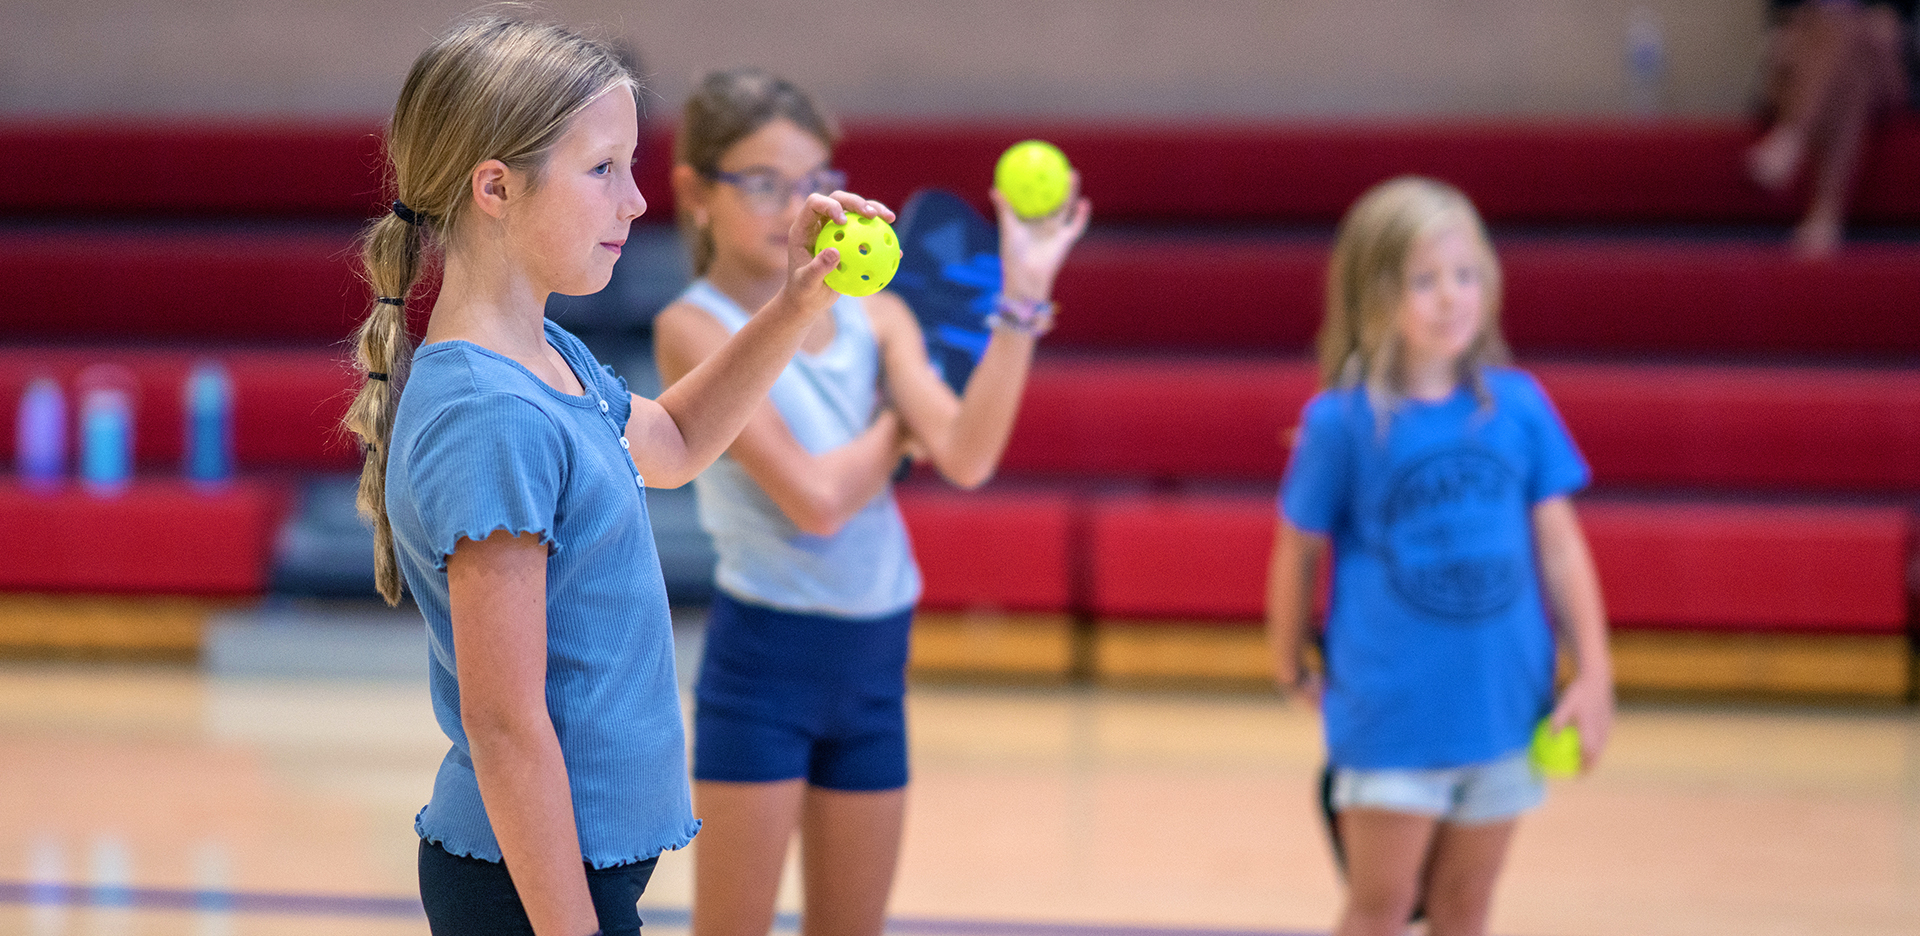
(1439, 478)
(798, 720)
(505, 468)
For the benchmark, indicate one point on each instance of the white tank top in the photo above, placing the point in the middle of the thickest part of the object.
(827, 399)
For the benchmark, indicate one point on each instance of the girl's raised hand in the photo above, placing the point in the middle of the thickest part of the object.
(807, 273)
(1032, 250)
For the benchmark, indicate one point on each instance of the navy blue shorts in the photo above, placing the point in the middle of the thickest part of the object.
(784, 696)
(475, 897)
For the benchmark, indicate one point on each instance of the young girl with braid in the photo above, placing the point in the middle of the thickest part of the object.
(1439, 480)
(799, 723)
(505, 473)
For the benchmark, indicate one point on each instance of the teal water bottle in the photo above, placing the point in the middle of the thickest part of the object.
(207, 403)
(106, 440)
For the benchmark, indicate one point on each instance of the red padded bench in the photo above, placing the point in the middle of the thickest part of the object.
(1117, 293)
(156, 537)
(215, 168)
(1529, 171)
(1581, 296)
(1007, 551)
(1157, 418)
(1797, 567)
(258, 286)
(1783, 428)
(1752, 567)
(287, 403)
(1526, 171)
(1788, 428)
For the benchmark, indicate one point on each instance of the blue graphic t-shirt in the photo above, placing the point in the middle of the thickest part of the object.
(1439, 648)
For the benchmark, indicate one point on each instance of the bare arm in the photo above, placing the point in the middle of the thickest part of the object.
(965, 436)
(498, 596)
(1291, 578)
(819, 493)
(1573, 592)
(695, 420)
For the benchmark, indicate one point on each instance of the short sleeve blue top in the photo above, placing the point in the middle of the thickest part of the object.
(479, 445)
(1439, 648)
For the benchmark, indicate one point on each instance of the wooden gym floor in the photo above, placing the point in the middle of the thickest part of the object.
(153, 799)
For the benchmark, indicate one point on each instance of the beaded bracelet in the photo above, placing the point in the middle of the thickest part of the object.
(1026, 316)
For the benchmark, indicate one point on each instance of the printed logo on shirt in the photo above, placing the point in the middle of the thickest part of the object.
(1454, 545)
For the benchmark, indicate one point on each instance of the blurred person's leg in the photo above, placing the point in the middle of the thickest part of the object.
(1868, 79)
(1464, 863)
(1804, 60)
(849, 847)
(1386, 856)
(739, 853)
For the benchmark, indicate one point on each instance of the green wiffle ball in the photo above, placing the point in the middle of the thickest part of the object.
(869, 254)
(1034, 176)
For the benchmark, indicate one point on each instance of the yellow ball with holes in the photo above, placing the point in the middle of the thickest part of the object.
(1034, 176)
(869, 254)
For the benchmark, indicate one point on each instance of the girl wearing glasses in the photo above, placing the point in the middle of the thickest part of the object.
(799, 724)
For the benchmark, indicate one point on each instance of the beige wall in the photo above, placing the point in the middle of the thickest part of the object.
(1091, 58)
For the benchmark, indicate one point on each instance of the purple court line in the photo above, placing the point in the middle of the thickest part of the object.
(162, 898)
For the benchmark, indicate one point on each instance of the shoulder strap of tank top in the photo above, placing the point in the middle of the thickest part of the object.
(715, 303)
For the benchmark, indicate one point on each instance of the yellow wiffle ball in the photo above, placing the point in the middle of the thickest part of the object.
(1034, 176)
(1556, 753)
(869, 254)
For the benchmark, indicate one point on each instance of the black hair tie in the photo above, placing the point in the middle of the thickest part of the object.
(401, 211)
(376, 375)
(390, 300)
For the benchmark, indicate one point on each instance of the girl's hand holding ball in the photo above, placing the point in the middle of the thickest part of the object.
(1037, 194)
(807, 271)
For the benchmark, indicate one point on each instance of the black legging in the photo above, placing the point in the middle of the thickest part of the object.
(475, 897)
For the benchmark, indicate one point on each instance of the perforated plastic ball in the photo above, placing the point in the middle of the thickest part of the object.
(1556, 753)
(869, 254)
(1034, 176)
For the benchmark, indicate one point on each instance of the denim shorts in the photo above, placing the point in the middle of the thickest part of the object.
(784, 695)
(1490, 792)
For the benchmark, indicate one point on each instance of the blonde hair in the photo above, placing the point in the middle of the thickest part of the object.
(494, 87)
(727, 107)
(1366, 281)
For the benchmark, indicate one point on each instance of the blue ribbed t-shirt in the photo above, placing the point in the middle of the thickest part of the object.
(1439, 652)
(480, 445)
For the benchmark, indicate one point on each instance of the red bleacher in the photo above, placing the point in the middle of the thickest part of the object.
(1542, 171)
(1825, 428)
(1729, 399)
(157, 536)
(1119, 293)
(1751, 567)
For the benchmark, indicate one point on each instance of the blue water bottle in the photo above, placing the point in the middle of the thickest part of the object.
(207, 402)
(40, 435)
(106, 440)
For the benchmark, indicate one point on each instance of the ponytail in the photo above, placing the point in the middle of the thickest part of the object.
(390, 255)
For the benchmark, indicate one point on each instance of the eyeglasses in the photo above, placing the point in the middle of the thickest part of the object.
(767, 192)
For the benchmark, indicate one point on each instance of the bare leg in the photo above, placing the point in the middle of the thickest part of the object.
(1808, 52)
(849, 846)
(745, 828)
(1386, 855)
(1867, 79)
(1461, 872)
